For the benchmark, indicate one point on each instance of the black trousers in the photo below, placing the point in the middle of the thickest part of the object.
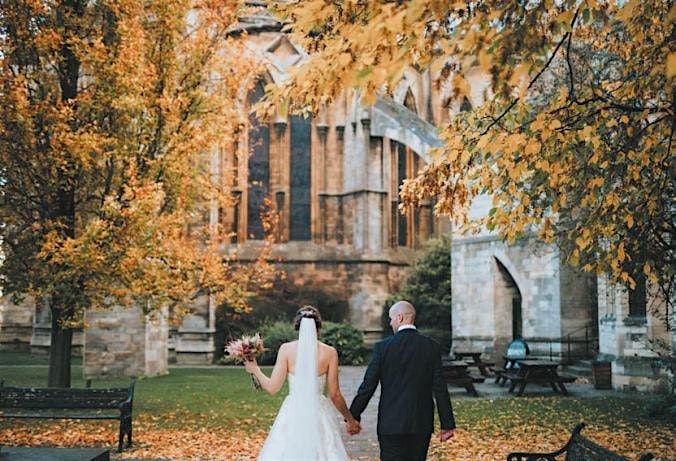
(404, 447)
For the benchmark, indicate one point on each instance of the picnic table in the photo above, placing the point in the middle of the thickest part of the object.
(536, 372)
(455, 374)
(476, 360)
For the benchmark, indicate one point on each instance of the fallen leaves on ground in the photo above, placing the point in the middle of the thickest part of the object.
(489, 446)
(233, 443)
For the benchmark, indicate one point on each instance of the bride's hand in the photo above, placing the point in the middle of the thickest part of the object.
(251, 366)
(353, 427)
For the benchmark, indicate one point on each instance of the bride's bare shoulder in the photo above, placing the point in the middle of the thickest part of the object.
(326, 347)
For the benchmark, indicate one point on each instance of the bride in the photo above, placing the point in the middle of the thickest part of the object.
(305, 427)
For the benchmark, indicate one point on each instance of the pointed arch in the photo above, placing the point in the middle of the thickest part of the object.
(409, 101)
(510, 291)
(466, 105)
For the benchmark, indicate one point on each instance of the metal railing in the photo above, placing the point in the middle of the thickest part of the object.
(575, 346)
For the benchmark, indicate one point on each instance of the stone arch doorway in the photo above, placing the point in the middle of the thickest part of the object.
(508, 302)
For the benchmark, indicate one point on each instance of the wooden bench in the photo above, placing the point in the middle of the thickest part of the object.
(536, 372)
(69, 403)
(578, 448)
(557, 384)
(455, 374)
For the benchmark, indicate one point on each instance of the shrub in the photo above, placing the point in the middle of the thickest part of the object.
(274, 335)
(443, 337)
(279, 303)
(348, 341)
(428, 288)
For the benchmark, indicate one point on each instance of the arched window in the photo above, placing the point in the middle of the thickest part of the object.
(259, 168)
(412, 228)
(300, 178)
(466, 105)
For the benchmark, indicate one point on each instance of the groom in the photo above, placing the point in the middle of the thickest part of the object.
(408, 368)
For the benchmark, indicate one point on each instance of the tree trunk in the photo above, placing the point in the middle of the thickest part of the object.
(59, 352)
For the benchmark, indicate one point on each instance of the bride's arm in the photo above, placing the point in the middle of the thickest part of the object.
(334, 388)
(274, 383)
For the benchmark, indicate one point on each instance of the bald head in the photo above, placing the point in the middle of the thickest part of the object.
(401, 313)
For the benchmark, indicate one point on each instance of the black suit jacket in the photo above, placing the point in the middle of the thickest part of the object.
(408, 368)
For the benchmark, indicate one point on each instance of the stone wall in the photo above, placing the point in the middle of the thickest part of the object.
(482, 295)
(579, 311)
(41, 338)
(365, 284)
(194, 340)
(119, 342)
(640, 349)
(16, 323)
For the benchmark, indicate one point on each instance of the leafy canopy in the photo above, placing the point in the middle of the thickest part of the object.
(574, 139)
(109, 113)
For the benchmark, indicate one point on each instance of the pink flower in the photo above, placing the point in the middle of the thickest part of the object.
(245, 348)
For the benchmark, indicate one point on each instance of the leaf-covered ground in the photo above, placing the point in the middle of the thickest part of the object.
(152, 441)
(213, 414)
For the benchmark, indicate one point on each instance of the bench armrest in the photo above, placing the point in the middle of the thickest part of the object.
(130, 397)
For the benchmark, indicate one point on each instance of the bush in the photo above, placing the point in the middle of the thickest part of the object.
(443, 337)
(274, 335)
(279, 304)
(428, 288)
(348, 341)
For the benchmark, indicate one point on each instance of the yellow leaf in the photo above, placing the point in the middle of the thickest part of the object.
(630, 221)
(533, 148)
(461, 86)
(485, 60)
(586, 133)
(671, 65)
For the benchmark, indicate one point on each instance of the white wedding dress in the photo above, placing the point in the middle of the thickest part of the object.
(306, 427)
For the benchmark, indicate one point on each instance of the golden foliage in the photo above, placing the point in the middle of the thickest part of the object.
(574, 141)
(109, 114)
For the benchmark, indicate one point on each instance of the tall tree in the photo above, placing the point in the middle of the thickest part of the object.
(574, 141)
(108, 112)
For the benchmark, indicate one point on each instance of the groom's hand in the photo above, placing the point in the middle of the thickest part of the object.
(353, 427)
(445, 434)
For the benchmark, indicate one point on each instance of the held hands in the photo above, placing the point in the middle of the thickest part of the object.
(353, 426)
(445, 434)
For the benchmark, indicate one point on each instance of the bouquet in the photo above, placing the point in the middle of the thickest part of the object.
(246, 348)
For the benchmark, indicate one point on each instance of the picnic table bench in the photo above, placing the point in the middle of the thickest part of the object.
(578, 448)
(476, 361)
(70, 403)
(537, 372)
(455, 374)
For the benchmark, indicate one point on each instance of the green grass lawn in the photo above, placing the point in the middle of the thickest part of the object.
(185, 398)
(207, 397)
(215, 410)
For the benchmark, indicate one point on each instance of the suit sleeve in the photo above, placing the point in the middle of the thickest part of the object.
(368, 385)
(440, 390)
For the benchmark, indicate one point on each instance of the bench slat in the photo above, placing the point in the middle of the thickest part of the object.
(59, 416)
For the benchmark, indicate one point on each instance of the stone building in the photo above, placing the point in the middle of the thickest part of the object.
(334, 180)
(636, 332)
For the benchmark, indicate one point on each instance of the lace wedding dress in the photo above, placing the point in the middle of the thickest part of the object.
(306, 427)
